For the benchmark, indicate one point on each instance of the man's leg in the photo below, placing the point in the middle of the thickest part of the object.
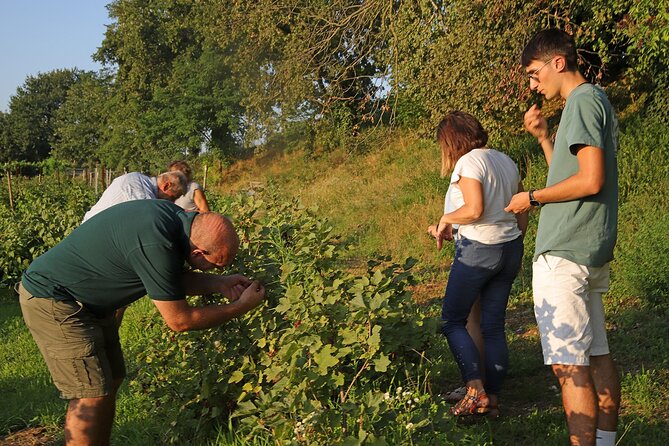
(602, 368)
(579, 401)
(570, 316)
(89, 420)
(607, 386)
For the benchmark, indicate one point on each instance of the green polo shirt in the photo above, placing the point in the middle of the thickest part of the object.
(121, 254)
(584, 230)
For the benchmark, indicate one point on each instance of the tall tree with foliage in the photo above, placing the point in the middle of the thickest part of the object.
(5, 143)
(182, 95)
(80, 123)
(31, 113)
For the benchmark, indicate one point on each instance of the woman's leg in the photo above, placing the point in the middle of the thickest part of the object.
(474, 328)
(462, 290)
(494, 299)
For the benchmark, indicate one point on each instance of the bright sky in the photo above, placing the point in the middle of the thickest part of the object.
(37, 36)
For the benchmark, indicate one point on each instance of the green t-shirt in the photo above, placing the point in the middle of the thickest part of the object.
(121, 254)
(584, 230)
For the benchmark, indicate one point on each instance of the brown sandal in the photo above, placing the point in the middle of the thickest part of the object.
(474, 403)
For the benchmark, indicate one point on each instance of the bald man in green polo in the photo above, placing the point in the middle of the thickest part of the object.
(69, 295)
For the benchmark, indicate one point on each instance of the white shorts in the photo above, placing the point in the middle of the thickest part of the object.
(569, 310)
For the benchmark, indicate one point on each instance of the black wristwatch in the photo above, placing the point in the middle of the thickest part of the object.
(533, 201)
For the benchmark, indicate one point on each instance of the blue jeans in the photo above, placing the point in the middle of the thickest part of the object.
(486, 272)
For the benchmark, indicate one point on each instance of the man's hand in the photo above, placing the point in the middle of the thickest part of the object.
(234, 286)
(536, 124)
(180, 316)
(519, 203)
(252, 296)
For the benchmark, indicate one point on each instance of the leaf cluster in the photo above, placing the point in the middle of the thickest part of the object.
(313, 363)
(43, 215)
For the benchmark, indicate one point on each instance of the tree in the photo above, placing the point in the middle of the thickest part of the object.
(80, 124)
(181, 92)
(31, 112)
(198, 107)
(5, 142)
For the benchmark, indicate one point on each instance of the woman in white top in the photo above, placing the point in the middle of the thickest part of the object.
(488, 255)
(194, 199)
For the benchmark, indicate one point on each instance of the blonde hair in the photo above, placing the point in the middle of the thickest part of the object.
(458, 133)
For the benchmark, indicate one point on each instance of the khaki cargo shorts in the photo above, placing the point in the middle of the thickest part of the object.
(81, 350)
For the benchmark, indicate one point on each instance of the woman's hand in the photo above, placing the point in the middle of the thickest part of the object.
(444, 232)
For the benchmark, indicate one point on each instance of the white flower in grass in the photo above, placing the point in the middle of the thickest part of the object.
(386, 396)
(299, 428)
(410, 426)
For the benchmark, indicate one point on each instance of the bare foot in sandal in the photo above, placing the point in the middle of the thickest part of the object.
(475, 402)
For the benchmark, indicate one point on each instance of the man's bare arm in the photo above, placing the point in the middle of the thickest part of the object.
(586, 182)
(180, 316)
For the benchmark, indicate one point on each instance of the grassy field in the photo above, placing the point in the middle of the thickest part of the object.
(530, 404)
(381, 202)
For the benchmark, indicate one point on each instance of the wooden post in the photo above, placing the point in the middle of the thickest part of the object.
(204, 182)
(96, 180)
(9, 189)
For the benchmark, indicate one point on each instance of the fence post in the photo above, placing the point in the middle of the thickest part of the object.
(9, 189)
(204, 183)
(96, 180)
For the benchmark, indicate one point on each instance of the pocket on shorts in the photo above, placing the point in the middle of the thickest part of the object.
(65, 309)
(75, 366)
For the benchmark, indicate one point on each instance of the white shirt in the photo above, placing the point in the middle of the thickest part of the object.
(186, 201)
(499, 177)
(128, 187)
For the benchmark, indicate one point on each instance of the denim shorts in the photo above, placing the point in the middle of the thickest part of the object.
(81, 350)
(569, 310)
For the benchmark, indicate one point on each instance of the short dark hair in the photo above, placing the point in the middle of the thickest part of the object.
(458, 134)
(549, 43)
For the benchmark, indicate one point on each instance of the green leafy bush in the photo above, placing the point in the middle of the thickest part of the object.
(43, 214)
(314, 364)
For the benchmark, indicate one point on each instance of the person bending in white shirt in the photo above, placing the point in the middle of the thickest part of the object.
(137, 186)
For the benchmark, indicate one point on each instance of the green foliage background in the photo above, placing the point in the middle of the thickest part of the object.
(226, 76)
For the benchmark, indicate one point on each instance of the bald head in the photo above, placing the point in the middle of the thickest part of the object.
(214, 236)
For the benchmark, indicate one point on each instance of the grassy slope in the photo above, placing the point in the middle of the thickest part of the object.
(382, 201)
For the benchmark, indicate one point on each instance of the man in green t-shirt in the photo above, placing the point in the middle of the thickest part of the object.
(576, 236)
(68, 297)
